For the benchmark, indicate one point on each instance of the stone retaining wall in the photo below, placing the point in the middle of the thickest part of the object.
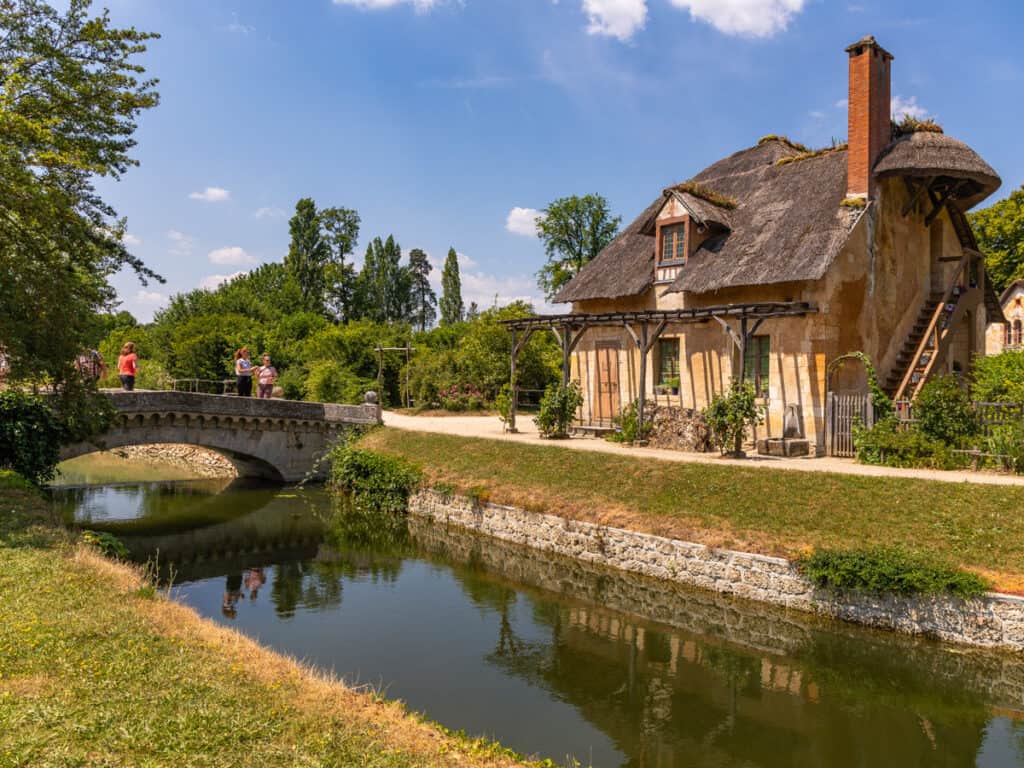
(993, 621)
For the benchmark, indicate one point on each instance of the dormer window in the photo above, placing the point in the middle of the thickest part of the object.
(673, 244)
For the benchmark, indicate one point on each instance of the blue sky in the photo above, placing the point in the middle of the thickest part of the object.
(438, 119)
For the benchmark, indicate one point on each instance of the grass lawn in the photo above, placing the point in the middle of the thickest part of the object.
(757, 509)
(96, 669)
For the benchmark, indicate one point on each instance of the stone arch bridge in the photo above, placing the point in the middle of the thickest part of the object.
(282, 440)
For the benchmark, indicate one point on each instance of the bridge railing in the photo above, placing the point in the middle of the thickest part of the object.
(203, 386)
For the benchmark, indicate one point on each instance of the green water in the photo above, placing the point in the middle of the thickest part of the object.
(558, 658)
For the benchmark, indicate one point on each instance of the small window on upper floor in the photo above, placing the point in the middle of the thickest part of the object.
(673, 242)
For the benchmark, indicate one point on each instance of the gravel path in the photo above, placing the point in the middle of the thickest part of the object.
(490, 427)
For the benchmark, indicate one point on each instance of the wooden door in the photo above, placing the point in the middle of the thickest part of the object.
(606, 404)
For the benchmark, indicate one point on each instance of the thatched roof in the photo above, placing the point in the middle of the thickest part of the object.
(929, 153)
(624, 268)
(789, 221)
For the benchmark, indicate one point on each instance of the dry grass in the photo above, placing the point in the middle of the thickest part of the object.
(706, 194)
(785, 140)
(914, 125)
(810, 153)
(762, 510)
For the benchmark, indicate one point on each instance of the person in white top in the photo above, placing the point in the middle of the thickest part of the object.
(266, 375)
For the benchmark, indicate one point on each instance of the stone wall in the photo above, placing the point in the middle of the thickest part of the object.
(199, 461)
(994, 621)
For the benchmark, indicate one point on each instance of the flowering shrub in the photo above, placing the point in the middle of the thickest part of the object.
(461, 397)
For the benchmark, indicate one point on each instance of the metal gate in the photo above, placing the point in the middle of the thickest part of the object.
(841, 413)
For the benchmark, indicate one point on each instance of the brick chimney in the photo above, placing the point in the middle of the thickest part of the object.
(870, 128)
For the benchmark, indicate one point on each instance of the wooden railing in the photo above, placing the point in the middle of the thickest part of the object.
(934, 341)
(988, 415)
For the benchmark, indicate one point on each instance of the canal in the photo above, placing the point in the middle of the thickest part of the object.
(554, 657)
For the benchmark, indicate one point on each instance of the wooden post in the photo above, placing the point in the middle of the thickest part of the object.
(744, 338)
(513, 391)
(566, 338)
(643, 378)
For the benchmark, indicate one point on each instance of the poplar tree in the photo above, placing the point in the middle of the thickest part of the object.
(308, 253)
(423, 298)
(452, 308)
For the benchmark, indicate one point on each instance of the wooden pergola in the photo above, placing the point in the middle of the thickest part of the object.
(645, 327)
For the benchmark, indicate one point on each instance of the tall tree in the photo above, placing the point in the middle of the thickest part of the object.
(424, 300)
(308, 254)
(452, 308)
(395, 282)
(320, 241)
(1000, 232)
(70, 93)
(384, 284)
(341, 227)
(574, 230)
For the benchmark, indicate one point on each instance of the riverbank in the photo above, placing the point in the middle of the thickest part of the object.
(764, 511)
(97, 668)
(161, 462)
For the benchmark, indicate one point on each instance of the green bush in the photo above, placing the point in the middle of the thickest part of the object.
(943, 411)
(729, 416)
(999, 378)
(887, 445)
(503, 404)
(328, 381)
(1007, 442)
(292, 382)
(630, 430)
(30, 436)
(557, 409)
(376, 480)
(888, 570)
(107, 543)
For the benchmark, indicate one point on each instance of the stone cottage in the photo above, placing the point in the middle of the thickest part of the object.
(776, 261)
(1008, 335)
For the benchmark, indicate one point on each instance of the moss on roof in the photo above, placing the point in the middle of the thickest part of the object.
(807, 155)
(912, 125)
(708, 195)
(785, 140)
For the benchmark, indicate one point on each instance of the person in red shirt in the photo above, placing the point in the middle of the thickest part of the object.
(128, 366)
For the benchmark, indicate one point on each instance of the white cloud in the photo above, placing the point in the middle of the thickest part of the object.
(376, 5)
(620, 19)
(842, 104)
(240, 27)
(212, 282)
(181, 244)
(523, 221)
(211, 195)
(131, 240)
(268, 212)
(148, 297)
(743, 18)
(907, 108)
(817, 114)
(233, 254)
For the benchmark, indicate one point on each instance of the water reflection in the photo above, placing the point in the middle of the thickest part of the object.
(557, 657)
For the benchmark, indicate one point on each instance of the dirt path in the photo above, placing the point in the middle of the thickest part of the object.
(490, 427)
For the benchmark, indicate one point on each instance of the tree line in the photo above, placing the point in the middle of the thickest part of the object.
(384, 290)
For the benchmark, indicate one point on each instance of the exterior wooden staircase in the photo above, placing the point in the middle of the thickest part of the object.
(929, 339)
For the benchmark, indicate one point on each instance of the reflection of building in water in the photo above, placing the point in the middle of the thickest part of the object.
(710, 680)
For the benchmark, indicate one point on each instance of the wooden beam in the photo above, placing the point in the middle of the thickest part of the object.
(636, 339)
(938, 203)
(732, 334)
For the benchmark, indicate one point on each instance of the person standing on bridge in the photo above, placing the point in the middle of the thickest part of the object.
(266, 375)
(243, 372)
(128, 366)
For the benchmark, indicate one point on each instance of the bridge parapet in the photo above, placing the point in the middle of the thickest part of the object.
(279, 439)
(232, 405)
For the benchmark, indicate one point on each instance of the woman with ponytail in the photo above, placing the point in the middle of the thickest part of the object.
(243, 372)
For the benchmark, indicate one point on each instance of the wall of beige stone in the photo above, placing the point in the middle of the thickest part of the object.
(993, 621)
